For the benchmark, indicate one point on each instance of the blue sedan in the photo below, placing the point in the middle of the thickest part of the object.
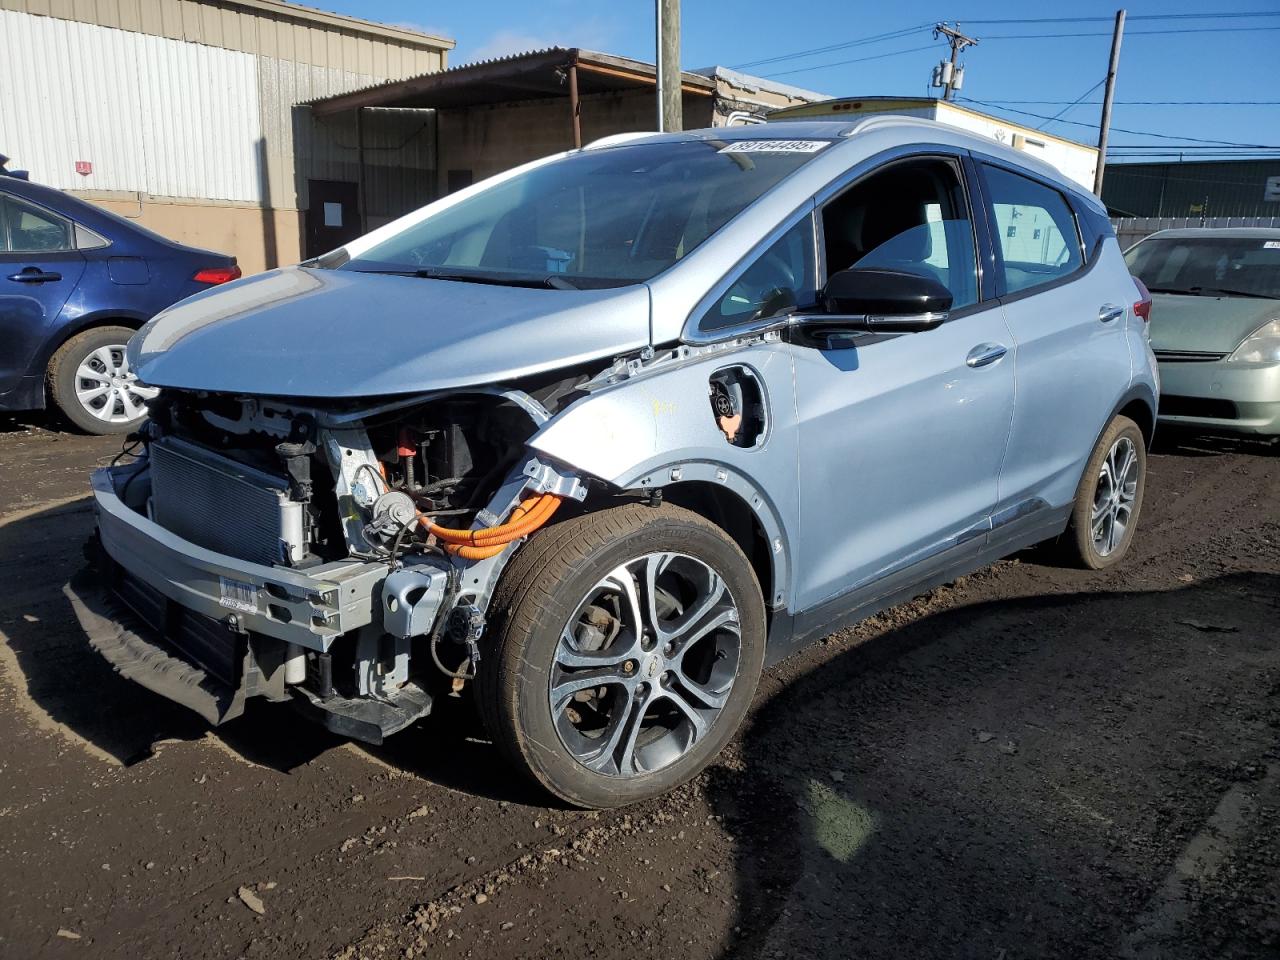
(75, 283)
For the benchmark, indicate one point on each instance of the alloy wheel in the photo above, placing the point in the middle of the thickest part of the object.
(645, 665)
(1114, 496)
(108, 389)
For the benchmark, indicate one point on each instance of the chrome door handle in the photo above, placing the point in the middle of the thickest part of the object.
(1109, 311)
(985, 353)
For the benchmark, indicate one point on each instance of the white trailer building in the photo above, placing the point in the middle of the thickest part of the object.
(1076, 160)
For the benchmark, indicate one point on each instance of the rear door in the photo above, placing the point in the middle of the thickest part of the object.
(1066, 310)
(39, 270)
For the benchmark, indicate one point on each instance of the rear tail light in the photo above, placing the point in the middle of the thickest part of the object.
(1143, 307)
(217, 274)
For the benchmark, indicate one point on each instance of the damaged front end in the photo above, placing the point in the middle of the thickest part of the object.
(341, 555)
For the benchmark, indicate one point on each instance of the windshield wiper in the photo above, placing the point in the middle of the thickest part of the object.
(1243, 293)
(553, 281)
(1185, 293)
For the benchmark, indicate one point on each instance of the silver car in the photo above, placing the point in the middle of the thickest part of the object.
(602, 436)
(1216, 326)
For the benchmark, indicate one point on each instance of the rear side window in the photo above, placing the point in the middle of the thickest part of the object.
(1034, 225)
(32, 230)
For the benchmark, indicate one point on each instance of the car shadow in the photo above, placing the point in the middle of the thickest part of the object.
(1184, 442)
(58, 679)
(29, 421)
(1011, 778)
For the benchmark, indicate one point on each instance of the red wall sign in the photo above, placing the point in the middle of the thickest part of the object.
(84, 167)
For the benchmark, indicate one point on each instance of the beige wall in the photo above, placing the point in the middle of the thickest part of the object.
(245, 231)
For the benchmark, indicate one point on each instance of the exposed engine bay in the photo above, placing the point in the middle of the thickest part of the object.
(348, 550)
(413, 494)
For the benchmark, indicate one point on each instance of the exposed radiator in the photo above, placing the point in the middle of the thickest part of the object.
(223, 505)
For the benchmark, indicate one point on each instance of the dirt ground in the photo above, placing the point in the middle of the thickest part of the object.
(1031, 762)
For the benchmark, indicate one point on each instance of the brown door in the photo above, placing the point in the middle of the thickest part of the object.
(333, 215)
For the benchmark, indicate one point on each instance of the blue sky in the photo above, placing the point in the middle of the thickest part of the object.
(1213, 59)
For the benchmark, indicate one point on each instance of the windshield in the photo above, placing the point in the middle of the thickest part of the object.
(599, 218)
(1208, 266)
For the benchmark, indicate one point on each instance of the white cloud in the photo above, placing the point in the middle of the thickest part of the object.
(589, 33)
(423, 28)
(506, 42)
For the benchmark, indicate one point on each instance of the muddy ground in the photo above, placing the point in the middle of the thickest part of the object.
(1032, 762)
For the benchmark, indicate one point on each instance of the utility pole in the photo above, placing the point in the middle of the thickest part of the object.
(670, 117)
(950, 74)
(1105, 126)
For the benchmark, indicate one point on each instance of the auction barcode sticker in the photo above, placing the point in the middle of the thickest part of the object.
(238, 595)
(774, 146)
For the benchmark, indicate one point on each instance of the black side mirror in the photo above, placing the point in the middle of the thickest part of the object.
(883, 301)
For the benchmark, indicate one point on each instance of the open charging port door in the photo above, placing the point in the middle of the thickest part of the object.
(737, 403)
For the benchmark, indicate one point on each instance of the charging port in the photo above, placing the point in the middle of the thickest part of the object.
(737, 403)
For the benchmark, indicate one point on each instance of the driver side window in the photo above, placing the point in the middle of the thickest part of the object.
(910, 216)
(780, 280)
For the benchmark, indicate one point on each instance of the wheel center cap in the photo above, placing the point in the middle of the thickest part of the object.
(652, 667)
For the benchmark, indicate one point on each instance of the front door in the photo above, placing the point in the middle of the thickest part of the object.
(39, 269)
(333, 215)
(901, 436)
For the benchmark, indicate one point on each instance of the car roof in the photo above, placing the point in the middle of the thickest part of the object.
(51, 197)
(1228, 233)
(908, 129)
(91, 215)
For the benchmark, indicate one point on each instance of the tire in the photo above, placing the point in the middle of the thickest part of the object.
(562, 582)
(1080, 545)
(91, 384)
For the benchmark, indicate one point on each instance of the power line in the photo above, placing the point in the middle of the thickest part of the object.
(1073, 103)
(907, 31)
(830, 48)
(1150, 16)
(899, 34)
(1131, 33)
(1139, 133)
(1150, 103)
(1174, 149)
(841, 63)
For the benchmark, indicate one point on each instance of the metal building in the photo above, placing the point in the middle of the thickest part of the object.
(183, 114)
(499, 113)
(1195, 188)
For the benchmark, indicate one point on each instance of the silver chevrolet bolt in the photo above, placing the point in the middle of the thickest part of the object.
(600, 437)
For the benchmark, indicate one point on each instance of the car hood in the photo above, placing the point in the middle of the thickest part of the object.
(1206, 324)
(310, 332)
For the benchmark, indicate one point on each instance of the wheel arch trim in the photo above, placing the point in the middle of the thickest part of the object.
(83, 324)
(723, 477)
(1138, 395)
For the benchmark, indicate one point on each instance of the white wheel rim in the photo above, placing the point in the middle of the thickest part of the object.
(108, 390)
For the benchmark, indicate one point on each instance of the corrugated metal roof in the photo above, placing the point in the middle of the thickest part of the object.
(535, 74)
(754, 84)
